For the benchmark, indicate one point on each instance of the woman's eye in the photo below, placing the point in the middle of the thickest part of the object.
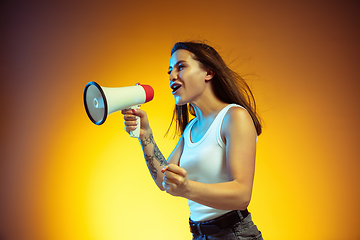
(181, 67)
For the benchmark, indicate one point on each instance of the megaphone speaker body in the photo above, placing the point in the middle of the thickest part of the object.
(102, 101)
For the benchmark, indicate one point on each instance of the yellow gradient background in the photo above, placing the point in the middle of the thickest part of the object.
(64, 178)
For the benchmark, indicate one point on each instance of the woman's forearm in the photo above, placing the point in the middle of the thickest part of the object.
(226, 196)
(232, 195)
(155, 160)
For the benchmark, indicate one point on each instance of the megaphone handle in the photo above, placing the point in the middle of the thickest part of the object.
(136, 132)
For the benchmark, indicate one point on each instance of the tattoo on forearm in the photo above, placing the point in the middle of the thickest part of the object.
(148, 140)
(150, 163)
(157, 155)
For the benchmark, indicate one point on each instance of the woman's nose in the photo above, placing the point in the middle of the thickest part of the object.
(172, 76)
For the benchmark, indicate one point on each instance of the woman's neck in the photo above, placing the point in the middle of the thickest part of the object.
(207, 105)
(208, 110)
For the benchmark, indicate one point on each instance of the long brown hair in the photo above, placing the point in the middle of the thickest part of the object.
(228, 86)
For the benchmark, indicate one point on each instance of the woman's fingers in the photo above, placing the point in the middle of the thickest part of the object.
(174, 174)
(175, 169)
(134, 116)
(130, 121)
(173, 178)
(130, 117)
(127, 111)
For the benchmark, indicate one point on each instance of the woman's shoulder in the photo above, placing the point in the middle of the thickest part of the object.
(237, 119)
(236, 113)
(237, 109)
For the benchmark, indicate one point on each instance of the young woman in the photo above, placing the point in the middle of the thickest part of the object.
(213, 163)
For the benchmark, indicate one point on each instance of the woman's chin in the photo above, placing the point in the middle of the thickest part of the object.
(179, 101)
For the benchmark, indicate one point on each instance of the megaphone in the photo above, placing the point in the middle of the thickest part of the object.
(102, 101)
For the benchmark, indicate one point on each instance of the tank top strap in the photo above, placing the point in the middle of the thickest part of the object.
(219, 121)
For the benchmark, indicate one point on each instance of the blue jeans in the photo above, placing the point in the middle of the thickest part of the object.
(243, 230)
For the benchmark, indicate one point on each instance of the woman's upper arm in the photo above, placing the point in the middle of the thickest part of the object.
(240, 136)
(175, 155)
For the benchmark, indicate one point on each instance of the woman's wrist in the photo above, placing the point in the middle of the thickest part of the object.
(145, 134)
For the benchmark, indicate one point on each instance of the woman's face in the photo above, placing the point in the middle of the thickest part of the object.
(187, 78)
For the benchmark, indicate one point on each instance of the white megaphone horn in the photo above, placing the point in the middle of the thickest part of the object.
(101, 101)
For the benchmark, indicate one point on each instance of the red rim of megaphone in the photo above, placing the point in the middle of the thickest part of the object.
(105, 103)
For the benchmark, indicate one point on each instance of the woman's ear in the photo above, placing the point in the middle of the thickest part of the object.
(209, 75)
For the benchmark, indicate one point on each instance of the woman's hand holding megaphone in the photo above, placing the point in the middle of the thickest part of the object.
(132, 116)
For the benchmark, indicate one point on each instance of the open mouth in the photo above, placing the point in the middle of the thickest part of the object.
(175, 87)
